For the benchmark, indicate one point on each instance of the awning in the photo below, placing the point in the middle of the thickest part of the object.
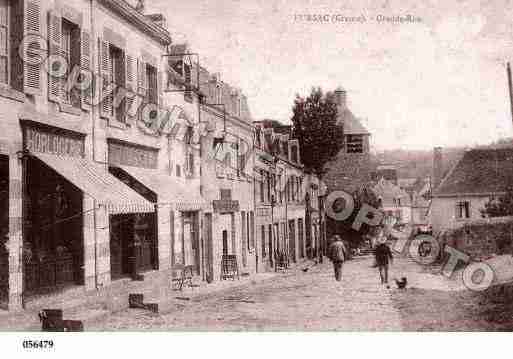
(168, 190)
(94, 180)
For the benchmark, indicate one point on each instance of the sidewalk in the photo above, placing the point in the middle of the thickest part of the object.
(77, 304)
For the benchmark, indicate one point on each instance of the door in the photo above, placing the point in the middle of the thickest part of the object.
(121, 234)
(225, 242)
(292, 240)
(209, 247)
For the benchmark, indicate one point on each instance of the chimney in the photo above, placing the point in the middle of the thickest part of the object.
(140, 6)
(340, 98)
(437, 167)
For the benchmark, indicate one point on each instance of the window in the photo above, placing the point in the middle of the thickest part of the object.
(188, 81)
(463, 210)
(5, 35)
(300, 238)
(178, 171)
(280, 191)
(248, 232)
(70, 47)
(152, 95)
(189, 135)
(189, 164)
(117, 66)
(273, 181)
(218, 96)
(11, 33)
(354, 144)
(262, 186)
(268, 185)
(262, 241)
(293, 154)
(258, 141)
(252, 230)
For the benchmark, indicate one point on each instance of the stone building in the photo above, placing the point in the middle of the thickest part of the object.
(280, 195)
(480, 175)
(227, 178)
(350, 171)
(101, 189)
(351, 168)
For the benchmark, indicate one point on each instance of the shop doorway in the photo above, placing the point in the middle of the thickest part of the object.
(209, 247)
(225, 242)
(53, 253)
(132, 244)
(292, 241)
(133, 236)
(4, 229)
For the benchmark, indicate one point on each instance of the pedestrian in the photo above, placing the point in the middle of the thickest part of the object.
(337, 254)
(383, 256)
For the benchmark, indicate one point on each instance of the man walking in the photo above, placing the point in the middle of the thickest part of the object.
(337, 254)
(383, 256)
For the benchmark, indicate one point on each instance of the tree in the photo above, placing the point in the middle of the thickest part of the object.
(315, 126)
(501, 206)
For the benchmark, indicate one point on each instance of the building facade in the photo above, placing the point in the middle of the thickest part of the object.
(280, 196)
(480, 175)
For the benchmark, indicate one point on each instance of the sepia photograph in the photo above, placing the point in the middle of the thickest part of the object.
(255, 166)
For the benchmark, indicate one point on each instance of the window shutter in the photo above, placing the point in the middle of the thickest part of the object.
(106, 80)
(17, 30)
(31, 52)
(54, 39)
(131, 80)
(85, 65)
(142, 79)
(160, 88)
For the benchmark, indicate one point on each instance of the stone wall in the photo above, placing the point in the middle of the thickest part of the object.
(481, 238)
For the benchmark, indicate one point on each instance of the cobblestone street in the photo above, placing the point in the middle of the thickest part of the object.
(297, 300)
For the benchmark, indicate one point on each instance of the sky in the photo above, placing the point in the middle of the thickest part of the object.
(438, 82)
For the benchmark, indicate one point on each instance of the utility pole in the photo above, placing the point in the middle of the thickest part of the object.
(508, 70)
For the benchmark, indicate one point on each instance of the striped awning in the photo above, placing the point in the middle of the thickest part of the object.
(94, 180)
(167, 189)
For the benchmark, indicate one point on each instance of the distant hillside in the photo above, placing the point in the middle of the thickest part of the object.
(419, 163)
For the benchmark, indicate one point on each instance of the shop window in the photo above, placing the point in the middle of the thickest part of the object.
(354, 144)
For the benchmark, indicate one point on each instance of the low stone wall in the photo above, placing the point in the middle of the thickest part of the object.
(481, 238)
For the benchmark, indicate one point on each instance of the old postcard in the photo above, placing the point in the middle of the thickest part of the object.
(261, 166)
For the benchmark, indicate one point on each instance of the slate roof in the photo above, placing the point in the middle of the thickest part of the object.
(480, 171)
(352, 125)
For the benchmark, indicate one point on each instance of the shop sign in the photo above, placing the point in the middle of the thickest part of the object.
(225, 206)
(132, 155)
(56, 142)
